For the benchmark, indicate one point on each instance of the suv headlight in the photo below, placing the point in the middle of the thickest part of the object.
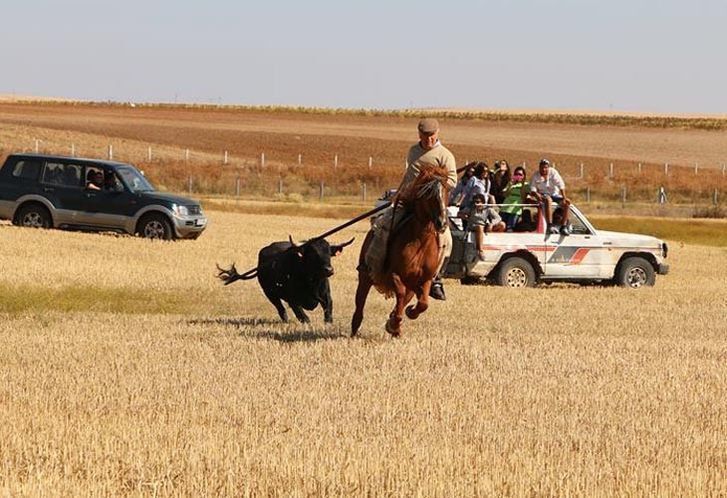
(180, 210)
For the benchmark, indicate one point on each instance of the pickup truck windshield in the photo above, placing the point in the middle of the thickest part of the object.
(134, 180)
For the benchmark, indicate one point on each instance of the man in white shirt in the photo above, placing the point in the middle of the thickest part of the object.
(548, 187)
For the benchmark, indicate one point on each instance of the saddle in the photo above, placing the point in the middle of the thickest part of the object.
(384, 228)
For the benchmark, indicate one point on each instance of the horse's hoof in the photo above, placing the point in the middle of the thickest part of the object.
(411, 313)
(396, 332)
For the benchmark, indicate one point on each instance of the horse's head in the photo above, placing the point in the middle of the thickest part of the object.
(427, 196)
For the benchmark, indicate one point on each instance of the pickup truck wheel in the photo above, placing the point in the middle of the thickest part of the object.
(515, 272)
(155, 226)
(635, 272)
(34, 215)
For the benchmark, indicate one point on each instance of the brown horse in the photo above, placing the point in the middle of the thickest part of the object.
(413, 255)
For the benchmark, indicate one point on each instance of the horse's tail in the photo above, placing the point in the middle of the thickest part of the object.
(230, 275)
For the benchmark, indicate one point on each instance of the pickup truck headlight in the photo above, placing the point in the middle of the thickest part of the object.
(180, 210)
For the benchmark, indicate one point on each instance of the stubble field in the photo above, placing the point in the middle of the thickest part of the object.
(128, 369)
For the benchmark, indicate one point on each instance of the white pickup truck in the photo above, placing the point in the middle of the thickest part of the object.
(528, 255)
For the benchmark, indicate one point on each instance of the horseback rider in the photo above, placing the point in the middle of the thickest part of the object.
(428, 150)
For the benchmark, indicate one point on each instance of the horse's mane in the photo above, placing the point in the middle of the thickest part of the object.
(428, 173)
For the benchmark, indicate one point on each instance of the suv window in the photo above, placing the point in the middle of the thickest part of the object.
(68, 175)
(26, 171)
(135, 181)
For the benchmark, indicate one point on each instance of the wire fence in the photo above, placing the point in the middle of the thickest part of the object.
(364, 178)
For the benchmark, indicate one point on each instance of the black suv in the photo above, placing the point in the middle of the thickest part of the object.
(68, 192)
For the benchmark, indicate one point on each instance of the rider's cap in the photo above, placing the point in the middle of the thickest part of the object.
(428, 125)
(544, 162)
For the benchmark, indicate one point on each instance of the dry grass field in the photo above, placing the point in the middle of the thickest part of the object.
(128, 369)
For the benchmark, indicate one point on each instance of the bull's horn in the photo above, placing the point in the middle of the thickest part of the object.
(348, 243)
(292, 242)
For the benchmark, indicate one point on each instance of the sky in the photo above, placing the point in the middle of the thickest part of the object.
(662, 56)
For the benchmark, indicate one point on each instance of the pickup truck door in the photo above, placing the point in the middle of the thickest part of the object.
(578, 255)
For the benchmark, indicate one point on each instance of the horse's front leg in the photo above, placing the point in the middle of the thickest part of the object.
(403, 296)
(422, 305)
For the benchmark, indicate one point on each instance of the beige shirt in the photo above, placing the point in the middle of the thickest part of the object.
(438, 156)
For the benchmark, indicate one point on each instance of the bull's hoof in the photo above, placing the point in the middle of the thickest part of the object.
(394, 331)
(411, 312)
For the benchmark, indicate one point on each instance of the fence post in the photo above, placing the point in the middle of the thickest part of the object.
(371, 161)
(73, 150)
(610, 170)
(300, 159)
(237, 187)
(715, 197)
(262, 159)
(588, 194)
(186, 155)
(661, 196)
(225, 159)
(190, 184)
(320, 192)
(335, 161)
(623, 196)
(37, 145)
(696, 168)
(666, 168)
(149, 153)
(724, 168)
(581, 170)
(363, 192)
(639, 168)
(280, 184)
(111, 151)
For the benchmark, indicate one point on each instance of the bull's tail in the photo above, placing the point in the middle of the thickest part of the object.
(230, 275)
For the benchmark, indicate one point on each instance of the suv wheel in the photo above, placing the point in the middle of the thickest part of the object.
(635, 272)
(34, 215)
(155, 226)
(515, 272)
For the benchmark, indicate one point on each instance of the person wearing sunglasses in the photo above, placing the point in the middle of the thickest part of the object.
(516, 193)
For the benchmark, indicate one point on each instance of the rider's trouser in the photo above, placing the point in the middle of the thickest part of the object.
(445, 248)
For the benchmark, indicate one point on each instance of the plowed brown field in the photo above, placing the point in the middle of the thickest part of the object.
(283, 135)
(317, 138)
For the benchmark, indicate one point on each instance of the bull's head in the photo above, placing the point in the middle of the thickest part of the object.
(315, 255)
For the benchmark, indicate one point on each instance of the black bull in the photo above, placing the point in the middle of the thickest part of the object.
(296, 274)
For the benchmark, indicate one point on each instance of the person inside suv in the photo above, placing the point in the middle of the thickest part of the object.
(94, 180)
(110, 182)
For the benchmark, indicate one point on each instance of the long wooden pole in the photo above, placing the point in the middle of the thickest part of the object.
(350, 222)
